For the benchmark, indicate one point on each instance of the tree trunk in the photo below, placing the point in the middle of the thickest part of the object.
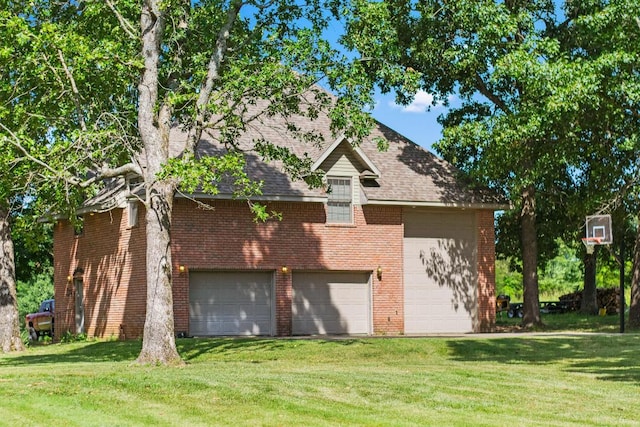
(158, 340)
(589, 304)
(634, 308)
(529, 239)
(10, 339)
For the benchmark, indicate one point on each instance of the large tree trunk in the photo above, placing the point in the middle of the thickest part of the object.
(634, 308)
(9, 324)
(158, 340)
(589, 304)
(529, 239)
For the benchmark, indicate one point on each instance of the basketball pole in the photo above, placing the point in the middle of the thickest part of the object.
(622, 285)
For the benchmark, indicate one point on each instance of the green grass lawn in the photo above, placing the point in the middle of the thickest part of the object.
(573, 321)
(492, 380)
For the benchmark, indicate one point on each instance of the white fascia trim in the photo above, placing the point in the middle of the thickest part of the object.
(327, 152)
(101, 207)
(263, 198)
(491, 206)
(366, 161)
(106, 206)
(359, 153)
(45, 219)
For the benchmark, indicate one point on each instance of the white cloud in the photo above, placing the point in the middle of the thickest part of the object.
(421, 102)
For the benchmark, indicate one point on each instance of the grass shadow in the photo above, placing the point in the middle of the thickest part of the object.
(245, 348)
(608, 357)
(241, 349)
(573, 321)
(250, 348)
(99, 351)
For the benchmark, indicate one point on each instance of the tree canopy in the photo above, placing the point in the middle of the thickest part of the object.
(102, 84)
(545, 99)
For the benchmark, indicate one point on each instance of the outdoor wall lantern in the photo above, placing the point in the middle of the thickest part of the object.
(182, 268)
(379, 273)
(69, 279)
(285, 269)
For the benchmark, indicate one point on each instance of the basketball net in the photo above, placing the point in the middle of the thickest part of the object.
(590, 243)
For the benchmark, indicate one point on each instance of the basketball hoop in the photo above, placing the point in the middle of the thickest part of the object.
(598, 232)
(590, 243)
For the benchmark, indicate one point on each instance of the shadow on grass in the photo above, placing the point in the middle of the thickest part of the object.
(193, 348)
(102, 351)
(248, 348)
(608, 357)
(566, 322)
(122, 351)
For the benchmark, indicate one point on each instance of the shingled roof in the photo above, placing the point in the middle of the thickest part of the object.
(405, 174)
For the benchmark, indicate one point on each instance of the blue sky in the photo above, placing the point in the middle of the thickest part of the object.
(415, 121)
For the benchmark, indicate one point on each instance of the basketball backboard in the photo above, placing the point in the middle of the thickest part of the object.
(599, 227)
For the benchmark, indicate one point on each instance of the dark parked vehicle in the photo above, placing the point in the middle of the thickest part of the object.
(42, 322)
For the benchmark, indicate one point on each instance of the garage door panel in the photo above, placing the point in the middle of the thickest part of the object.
(440, 272)
(331, 303)
(440, 225)
(230, 303)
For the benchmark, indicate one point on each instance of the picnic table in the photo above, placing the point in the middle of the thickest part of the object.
(515, 309)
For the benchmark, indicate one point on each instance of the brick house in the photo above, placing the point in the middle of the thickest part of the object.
(398, 246)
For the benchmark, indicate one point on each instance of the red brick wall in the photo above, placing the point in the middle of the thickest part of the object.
(284, 296)
(64, 249)
(486, 272)
(109, 257)
(226, 237)
(112, 257)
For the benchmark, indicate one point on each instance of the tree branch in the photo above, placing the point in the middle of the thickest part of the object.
(107, 172)
(124, 24)
(15, 141)
(213, 74)
(102, 173)
(484, 90)
(74, 89)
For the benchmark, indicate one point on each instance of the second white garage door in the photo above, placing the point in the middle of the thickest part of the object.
(230, 303)
(327, 303)
(440, 280)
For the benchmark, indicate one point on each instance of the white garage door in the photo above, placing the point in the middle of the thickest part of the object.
(440, 277)
(331, 303)
(230, 303)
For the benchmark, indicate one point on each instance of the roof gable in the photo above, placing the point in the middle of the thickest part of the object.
(356, 156)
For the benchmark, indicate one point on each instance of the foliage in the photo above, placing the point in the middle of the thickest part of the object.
(368, 381)
(70, 337)
(25, 337)
(34, 263)
(508, 281)
(101, 87)
(33, 291)
(561, 274)
(546, 103)
(33, 245)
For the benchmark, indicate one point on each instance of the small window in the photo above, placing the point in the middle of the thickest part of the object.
(133, 213)
(339, 208)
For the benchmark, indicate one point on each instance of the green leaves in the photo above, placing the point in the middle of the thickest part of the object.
(546, 93)
(208, 174)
